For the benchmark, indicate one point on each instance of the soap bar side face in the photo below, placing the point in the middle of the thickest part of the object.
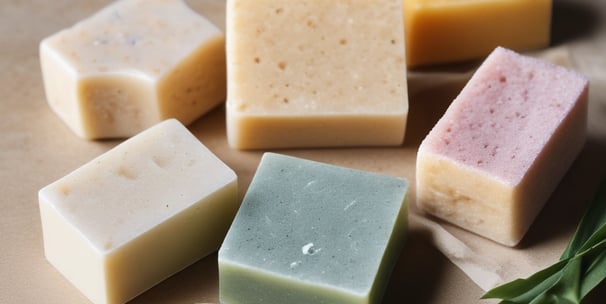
(197, 84)
(131, 65)
(138, 213)
(494, 158)
(323, 231)
(115, 105)
(342, 62)
(192, 234)
(449, 31)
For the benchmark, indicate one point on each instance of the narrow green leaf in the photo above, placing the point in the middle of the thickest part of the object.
(567, 288)
(595, 273)
(594, 218)
(581, 268)
(529, 287)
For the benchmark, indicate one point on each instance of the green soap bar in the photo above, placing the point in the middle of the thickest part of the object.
(308, 232)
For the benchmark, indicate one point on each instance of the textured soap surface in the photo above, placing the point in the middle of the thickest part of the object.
(138, 213)
(132, 65)
(503, 145)
(308, 232)
(446, 31)
(315, 73)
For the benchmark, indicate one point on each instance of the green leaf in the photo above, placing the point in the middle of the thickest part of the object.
(595, 272)
(567, 288)
(594, 218)
(581, 268)
(521, 289)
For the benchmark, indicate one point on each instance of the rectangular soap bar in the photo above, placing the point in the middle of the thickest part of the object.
(443, 31)
(309, 232)
(137, 214)
(133, 64)
(494, 158)
(315, 73)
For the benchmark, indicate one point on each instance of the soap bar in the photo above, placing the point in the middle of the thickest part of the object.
(315, 73)
(494, 158)
(133, 64)
(443, 31)
(137, 214)
(309, 232)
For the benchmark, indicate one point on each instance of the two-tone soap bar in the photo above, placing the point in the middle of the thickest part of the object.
(443, 31)
(131, 65)
(137, 214)
(309, 232)
(494, 158)
(315, 73)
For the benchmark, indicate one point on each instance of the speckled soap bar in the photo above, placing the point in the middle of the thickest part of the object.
(494, 158)
(308, 232)
(315, 73)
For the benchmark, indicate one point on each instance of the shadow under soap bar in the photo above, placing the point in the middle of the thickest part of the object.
(137, 214)
(309, 232)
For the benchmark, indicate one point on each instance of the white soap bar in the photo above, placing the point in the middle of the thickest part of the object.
(315, 73)
(137, 214)
(132, 65)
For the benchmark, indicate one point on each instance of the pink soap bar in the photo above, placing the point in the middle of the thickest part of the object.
(503, 145)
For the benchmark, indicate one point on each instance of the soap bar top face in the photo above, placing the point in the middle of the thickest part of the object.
(157, 174)
(444, 31)
(314, 224)
(148, 36)
(315, 73)
(316, 57)
(524, 102)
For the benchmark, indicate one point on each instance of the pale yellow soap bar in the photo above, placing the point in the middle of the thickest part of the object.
(443, 31)
(134, 64)
(315, 73)
(137, 214)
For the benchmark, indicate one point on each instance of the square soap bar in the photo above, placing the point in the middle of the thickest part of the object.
(133, 64)
(443, 31)
(315, 73)
(308, 232)
(137, 214)
(494, 158)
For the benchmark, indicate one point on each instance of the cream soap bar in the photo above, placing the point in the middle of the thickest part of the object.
(308, 232)
(442, 31)
(132, 65)
(494, 158)
(137, 214)
(315, 73)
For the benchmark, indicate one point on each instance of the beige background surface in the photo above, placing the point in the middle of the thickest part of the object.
(36, 148)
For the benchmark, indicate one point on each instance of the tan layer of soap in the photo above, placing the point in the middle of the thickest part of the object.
(445, 31)
(137, 214)
(315, 73)
(134, 64)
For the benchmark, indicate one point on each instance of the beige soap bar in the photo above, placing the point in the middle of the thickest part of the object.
(494, 158)
(315, 73)
(134, 64)
(137, 214)
(443, 31)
